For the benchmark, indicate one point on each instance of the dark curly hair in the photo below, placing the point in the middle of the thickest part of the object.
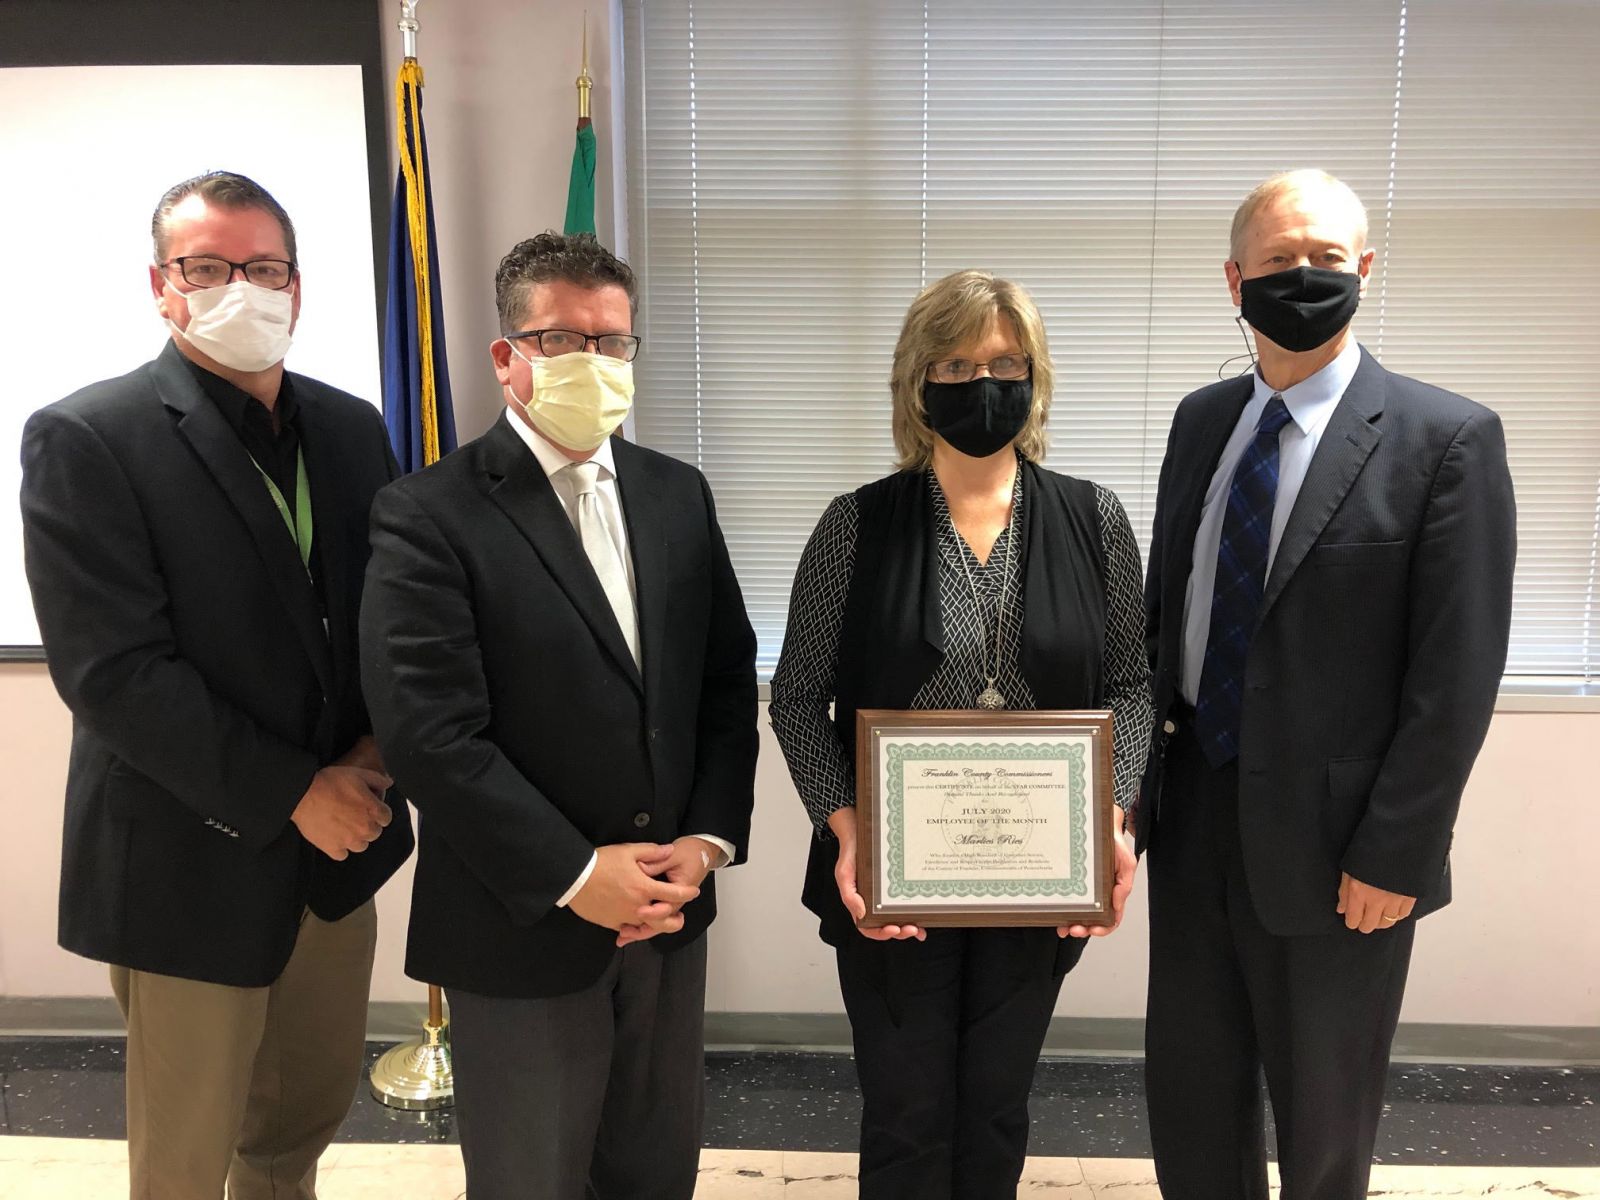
(224, 189)
(571, 258)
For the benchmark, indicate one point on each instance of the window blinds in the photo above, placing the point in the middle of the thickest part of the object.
(797, 172)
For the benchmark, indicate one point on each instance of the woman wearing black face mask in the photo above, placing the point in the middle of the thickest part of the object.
(971, 578)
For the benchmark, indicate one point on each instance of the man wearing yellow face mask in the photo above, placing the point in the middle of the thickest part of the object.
(562, 675)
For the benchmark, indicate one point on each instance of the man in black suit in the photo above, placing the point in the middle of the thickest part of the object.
(1329, 602)
(195, 534)
(560, 667)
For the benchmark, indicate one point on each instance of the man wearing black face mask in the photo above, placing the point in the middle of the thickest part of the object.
(1328, 607)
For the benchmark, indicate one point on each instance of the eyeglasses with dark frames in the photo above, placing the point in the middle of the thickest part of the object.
(569, 341)
(206, 271)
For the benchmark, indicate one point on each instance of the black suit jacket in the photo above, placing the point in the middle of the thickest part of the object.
(1378, 652)
(509, 708)
(185, 637)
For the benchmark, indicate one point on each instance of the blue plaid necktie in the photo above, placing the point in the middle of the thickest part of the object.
(1241, 579)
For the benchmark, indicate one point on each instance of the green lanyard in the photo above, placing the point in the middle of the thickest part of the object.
(300, 524)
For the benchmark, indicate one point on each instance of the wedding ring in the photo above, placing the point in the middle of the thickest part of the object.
(1391, 920)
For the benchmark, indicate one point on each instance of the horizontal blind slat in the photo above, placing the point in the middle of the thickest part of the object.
(796, 173)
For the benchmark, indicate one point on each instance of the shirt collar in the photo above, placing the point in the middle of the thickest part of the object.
(1311, 401)
(553, 460)
(235, 403)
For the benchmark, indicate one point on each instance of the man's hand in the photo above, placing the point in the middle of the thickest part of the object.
(692, 859)
(342, 812)
(843, 824)
(623, 890)
(1369, 908)
(364, 753)
(1127, 867)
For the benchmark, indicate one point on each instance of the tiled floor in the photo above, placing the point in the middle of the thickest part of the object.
(784, 1124)
(35, 1168)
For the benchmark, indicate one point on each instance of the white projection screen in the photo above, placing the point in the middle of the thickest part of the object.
(85, 153)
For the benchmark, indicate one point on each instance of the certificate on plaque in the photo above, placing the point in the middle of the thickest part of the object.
(973, 817)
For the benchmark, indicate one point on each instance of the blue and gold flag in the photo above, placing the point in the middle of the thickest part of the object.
(416, 375)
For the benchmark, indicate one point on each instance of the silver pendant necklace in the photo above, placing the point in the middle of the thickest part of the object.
(991, 697)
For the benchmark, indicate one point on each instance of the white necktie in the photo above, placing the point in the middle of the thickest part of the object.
(601, 548)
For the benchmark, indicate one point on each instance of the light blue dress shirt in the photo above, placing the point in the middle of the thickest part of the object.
(1310, 403)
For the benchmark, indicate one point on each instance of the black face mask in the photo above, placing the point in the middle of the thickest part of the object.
(982, 415)
(1301, 308)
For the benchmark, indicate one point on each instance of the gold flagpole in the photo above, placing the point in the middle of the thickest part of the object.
(585, 82)
(417, 1075)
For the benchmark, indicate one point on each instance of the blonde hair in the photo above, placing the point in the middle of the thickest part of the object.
(951, 312)
(1305, 179)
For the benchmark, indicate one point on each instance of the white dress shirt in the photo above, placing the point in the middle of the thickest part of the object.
(554, 463)
(1310, 403)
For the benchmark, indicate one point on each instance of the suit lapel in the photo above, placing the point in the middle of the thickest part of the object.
(1342, 451)
(647, 545)
(517, 483)
(1194, 472)
(224, 456)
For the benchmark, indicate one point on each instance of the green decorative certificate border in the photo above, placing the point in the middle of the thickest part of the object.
(896, 756)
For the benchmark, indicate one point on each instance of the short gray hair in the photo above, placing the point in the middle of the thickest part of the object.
(225, 189)
(1303, 179)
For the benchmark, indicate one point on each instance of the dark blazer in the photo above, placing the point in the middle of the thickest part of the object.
(185, 637)
(510, 709)
(1379, 648)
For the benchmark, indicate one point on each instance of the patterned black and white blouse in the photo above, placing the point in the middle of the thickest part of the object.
(803, 684)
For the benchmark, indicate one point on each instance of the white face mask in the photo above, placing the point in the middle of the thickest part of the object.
(240, 325)
(578, 399)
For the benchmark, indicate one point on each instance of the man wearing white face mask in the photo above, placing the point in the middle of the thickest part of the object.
(195, 539)
(563, 680)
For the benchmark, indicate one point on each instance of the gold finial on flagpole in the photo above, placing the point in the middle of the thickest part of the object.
(408, 26)
(585, 82)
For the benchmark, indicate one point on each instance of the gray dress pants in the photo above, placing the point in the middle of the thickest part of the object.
(595, 1095)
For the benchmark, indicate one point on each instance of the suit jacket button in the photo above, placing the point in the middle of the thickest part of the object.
(1169, 727)
(640, 820)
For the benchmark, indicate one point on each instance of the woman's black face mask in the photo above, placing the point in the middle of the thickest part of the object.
(981, 416)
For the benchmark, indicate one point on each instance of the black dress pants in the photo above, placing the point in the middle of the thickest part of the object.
(1228, 1000)
(947, 1034)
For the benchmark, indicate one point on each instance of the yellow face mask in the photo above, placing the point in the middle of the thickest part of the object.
(578, 399)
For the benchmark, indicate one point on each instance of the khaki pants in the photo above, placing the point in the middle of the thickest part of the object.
(246, 1087)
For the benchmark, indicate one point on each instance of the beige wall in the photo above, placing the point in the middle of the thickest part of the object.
(1520, 946)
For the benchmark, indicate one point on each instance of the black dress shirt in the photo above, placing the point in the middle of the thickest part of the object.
(274, 447)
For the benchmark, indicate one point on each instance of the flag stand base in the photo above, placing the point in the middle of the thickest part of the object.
(417, 1075)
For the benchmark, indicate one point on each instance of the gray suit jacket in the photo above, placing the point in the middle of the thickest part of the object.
(1379, 648)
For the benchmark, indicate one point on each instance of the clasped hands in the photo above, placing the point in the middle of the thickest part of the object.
(843, 824)
(342, 812)
(640, 888)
